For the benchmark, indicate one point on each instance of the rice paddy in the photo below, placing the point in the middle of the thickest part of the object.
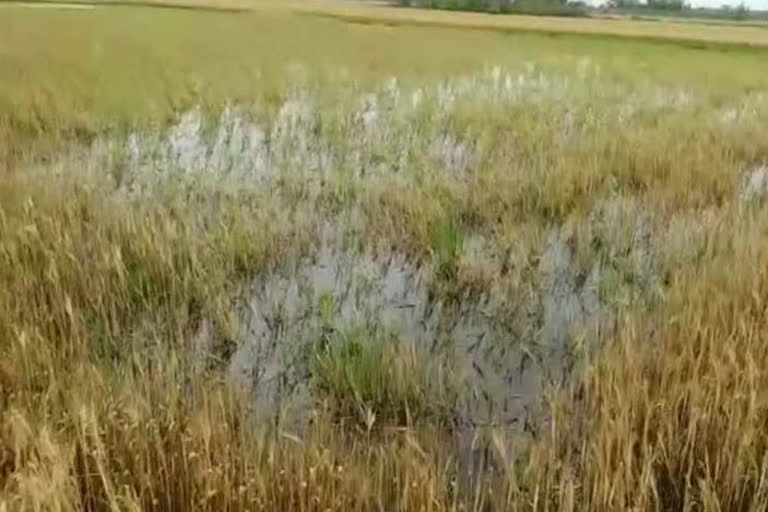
(264, 259)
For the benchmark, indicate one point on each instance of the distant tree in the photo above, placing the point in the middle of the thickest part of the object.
(622, 4)
(549, 7)
(500, 5)
(667, 5)
(741, 12)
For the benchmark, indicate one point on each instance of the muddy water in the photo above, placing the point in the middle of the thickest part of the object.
(505, 346)
(281, 320)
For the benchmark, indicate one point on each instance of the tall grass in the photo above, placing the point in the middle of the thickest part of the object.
(672, 416)
(610, 225)
(101, 408)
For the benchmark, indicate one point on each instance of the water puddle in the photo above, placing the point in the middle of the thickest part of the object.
(505, 344)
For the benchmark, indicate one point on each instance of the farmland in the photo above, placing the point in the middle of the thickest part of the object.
(330, 256)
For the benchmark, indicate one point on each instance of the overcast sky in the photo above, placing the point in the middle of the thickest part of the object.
(752, 4)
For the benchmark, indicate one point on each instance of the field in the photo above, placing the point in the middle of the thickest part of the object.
(324, 256)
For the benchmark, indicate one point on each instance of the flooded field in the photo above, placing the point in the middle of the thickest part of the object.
(518, 282)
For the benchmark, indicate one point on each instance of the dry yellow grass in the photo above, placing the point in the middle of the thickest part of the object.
(612, 185)
(98, 416)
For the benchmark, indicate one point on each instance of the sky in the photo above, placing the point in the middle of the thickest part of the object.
(752, 4)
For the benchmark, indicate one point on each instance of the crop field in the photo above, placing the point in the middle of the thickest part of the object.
(265, 256)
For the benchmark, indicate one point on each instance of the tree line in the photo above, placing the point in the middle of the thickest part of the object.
(577, 7)
(549, 7)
